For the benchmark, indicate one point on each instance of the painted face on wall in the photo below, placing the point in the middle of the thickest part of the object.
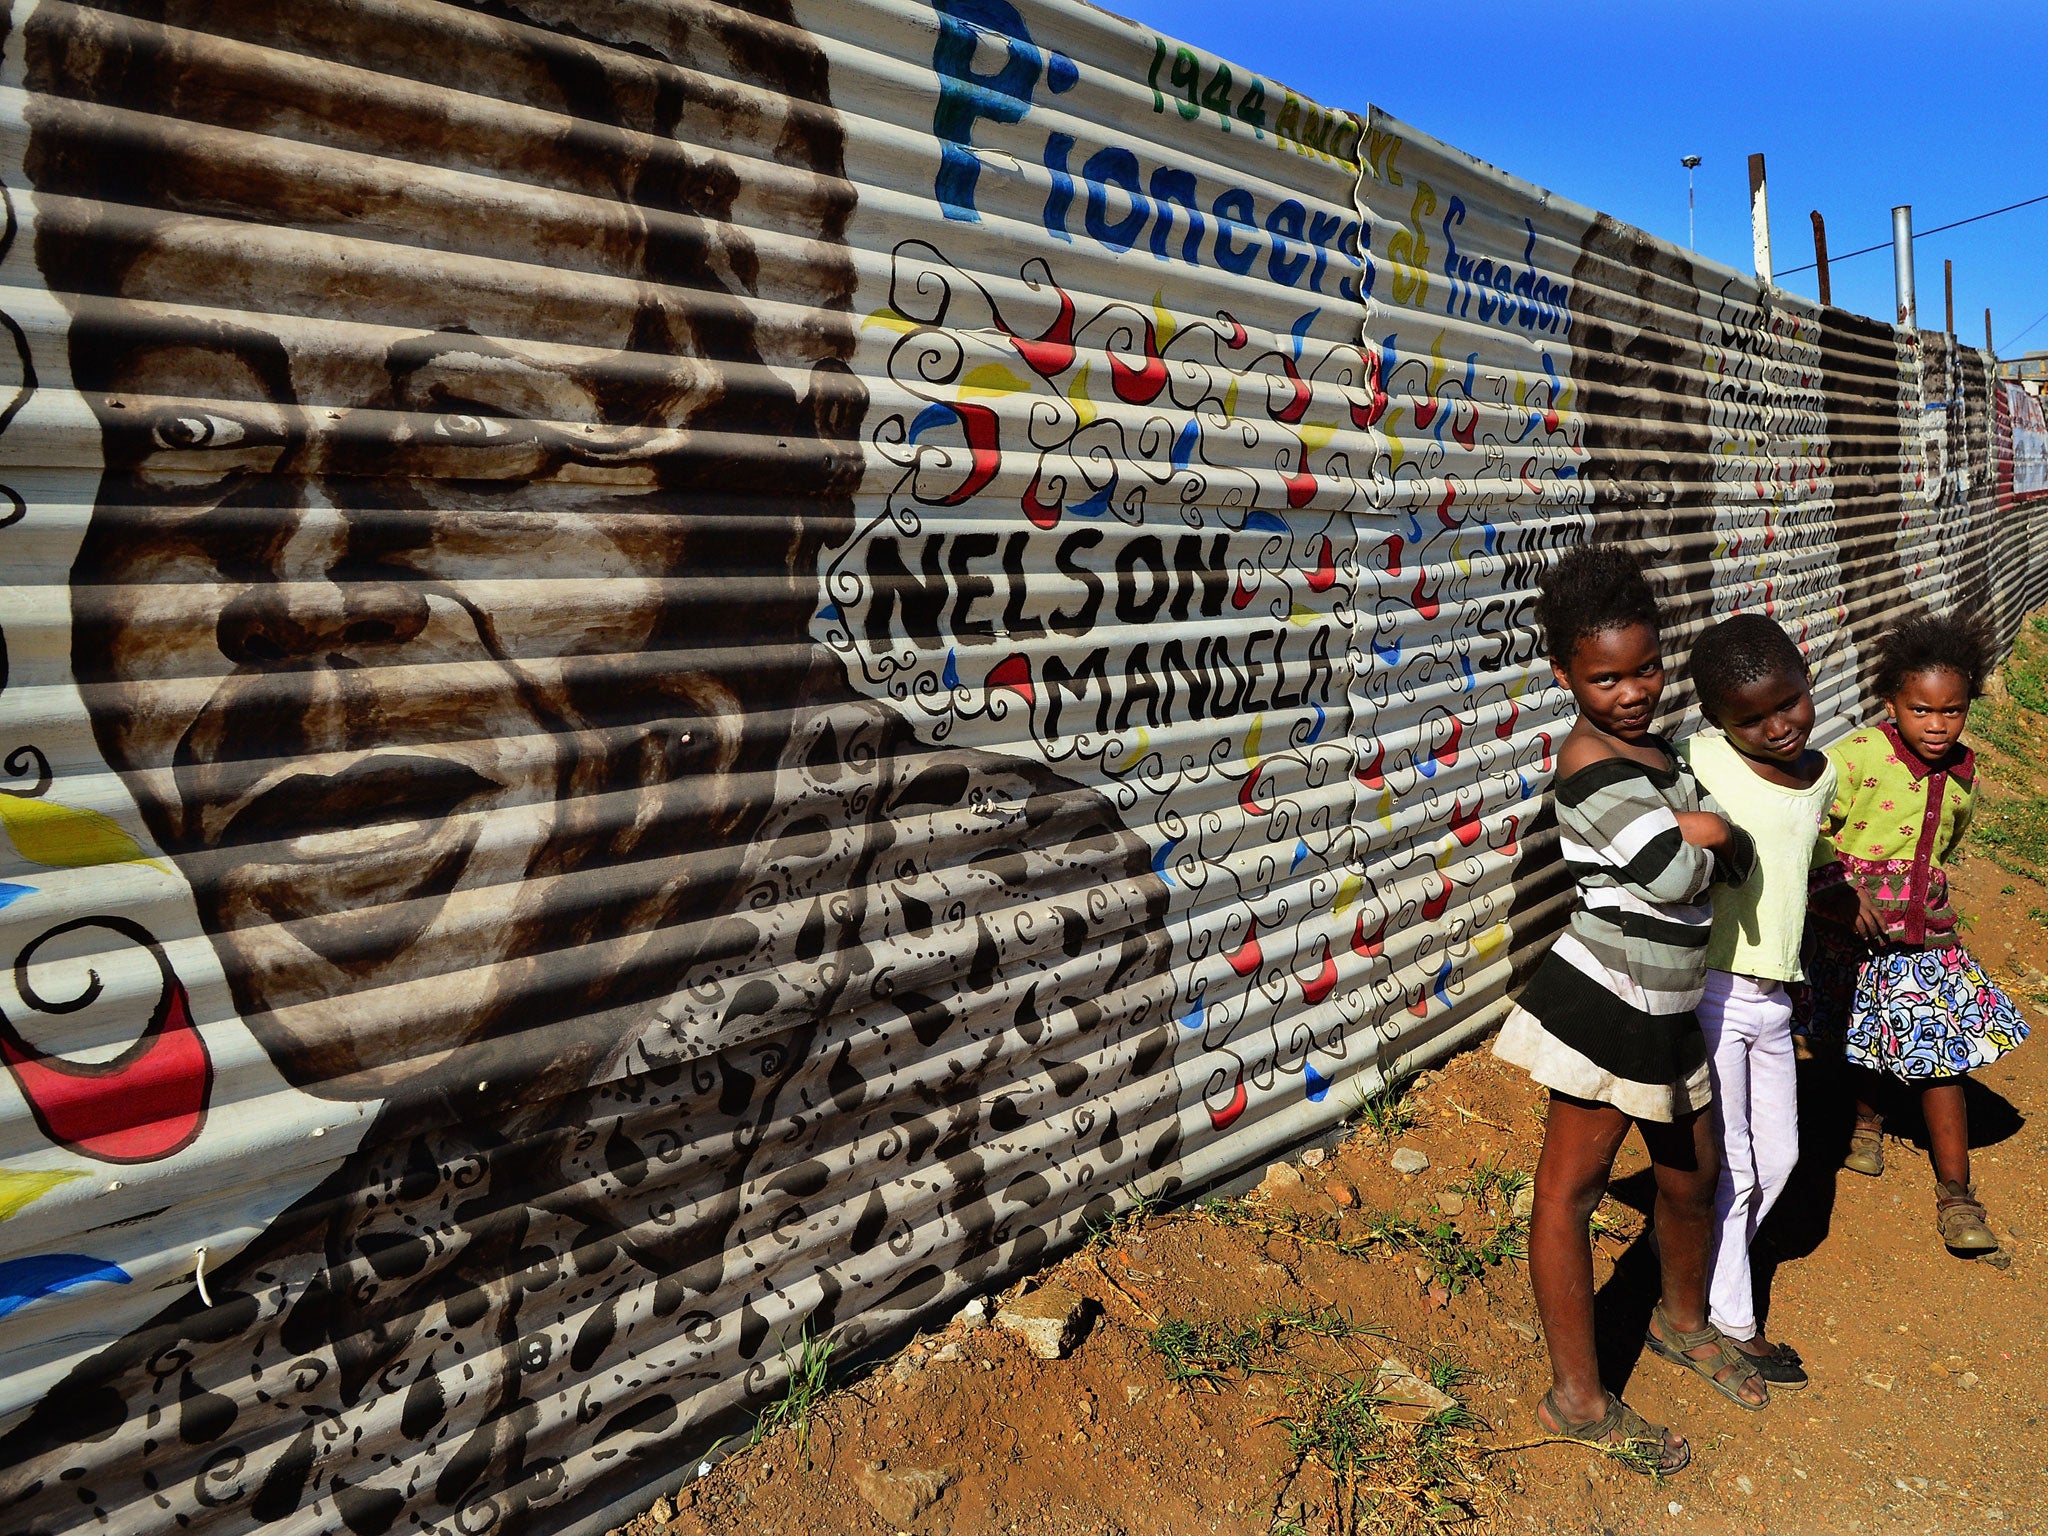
(423, 592)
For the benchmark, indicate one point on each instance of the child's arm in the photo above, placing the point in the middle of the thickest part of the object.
(1623, 828)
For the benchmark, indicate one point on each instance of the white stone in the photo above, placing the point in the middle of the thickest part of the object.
(1408, 1160)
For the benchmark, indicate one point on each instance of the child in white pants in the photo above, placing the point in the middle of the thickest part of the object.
(1754, 686)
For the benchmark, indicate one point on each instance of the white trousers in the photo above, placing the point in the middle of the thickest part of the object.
(1748, 1025)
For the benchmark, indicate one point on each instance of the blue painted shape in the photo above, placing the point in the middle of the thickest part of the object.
(1061, 73)
(1443, 978)
(44, 1274)
(1184, 445)
(1192, 1019)
(10, 893)
(1318, 1085)
(1322, 719)
(1299, 330)
(1390, 653)
(831, 615)
(1097, 504)
(934, 415)
(951, 676)
(1270, 522)
(1492, 538)
(967, 97)
(1300, 853)
(1159, 860)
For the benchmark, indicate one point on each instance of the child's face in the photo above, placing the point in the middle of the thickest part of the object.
(1617, 677)
(1929, 710)
(1769, 717)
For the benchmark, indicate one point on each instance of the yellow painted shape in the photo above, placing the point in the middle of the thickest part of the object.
(1315, 437)
(1385, 813)
(1298, 615)
(1230, 398)
(1491, 940)
(1077, 396)
(1251, 739)
(1347, 892)
(1162, 323)
(887, 318)
(65, 837)
(21, 1187)
(991, 379)
(1137, 753)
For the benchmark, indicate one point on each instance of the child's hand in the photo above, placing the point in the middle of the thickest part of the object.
(1703, 829)
(1869, 921)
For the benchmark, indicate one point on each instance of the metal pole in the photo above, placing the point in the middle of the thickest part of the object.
(1820, 257)
(1759, 220)
(1987, 336)
(1948, 290)
(1691, 164)
(1902, 265)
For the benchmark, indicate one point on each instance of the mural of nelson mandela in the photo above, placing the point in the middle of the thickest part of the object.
(475, 400)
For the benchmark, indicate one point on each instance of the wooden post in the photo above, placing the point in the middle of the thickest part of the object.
(1759, 220)
(1948, 285)
(1820, 257)
(1987, 337)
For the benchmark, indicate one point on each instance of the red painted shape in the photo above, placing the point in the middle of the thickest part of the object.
(1369, 945)
(1424, 412)
(1393, 548)
(1544, 737)
(1506, 729)
(1419, 1004)
(1053, 352)
(1041, 515)
(1514, 836)
(1242, 595)
(1248, 957)
(1015, 675)
(1238, 335)
(1324, 576)
(1248, 794)
(1223, 1118)
(979, 423)
(1466, 433)
(1140, 385)
(1443, 508)
(1433, 906)
(1447, 754)
(1313, 992)
(1425, 602)
(1296, 408)
(1465, 825)
(1368, 415)
(1301, 488)
(1372, 775)
(145, 1104)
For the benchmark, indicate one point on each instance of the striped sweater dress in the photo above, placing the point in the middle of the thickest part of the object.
(1608, 1016)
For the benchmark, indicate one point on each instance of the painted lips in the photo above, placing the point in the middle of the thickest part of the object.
(388, 789)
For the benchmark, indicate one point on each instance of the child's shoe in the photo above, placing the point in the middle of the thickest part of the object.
(1960, 1219)
(1866, 1148)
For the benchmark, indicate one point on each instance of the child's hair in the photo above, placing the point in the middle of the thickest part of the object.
(1592, 588)
(1738, 651)
(1930, 644)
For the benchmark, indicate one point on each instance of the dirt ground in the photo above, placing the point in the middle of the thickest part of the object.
(1231, 1379)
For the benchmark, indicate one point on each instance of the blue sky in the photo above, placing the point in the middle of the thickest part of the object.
(1855, 107)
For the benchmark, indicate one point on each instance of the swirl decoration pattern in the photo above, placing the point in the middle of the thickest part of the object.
(1127, 537)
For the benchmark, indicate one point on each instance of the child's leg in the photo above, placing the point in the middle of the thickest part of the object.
(1683, 1157)
(1773, 1111)
(1948, 1130)
(1579, 1143)
(1728, 1019)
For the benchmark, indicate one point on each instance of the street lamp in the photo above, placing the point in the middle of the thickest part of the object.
(1691, 164)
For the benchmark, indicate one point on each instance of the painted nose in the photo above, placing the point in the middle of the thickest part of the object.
(308, 607)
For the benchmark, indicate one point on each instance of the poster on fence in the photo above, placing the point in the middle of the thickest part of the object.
(2029, 441)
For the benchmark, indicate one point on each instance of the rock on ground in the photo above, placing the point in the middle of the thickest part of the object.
(1050, 1320)
(900, 1494)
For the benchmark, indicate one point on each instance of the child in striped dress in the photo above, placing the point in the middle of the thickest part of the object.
(1607, 1023)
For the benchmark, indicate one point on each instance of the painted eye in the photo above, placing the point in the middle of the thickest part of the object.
(457, 427)
(196, 429)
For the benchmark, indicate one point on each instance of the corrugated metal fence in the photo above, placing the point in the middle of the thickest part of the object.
(675, 674)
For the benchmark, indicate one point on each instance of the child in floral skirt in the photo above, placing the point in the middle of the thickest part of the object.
(1899, 992)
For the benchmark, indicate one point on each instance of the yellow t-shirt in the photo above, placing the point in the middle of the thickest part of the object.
(1758, 924)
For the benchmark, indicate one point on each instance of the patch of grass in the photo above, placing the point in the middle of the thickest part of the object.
(1144, 1205)
(809, 1380)
(1227, 1211)
(2011, 822)
(1319, 1323)
(1453, 1259)
(1386, 1111)
(1206, 1352)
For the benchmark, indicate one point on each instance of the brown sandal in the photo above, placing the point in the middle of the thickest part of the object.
(1674, 1345)
(1866, 1148)
(1959, 1217)
(1642, 1444)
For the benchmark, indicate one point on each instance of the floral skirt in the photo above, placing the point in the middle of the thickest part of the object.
(1915, 1014)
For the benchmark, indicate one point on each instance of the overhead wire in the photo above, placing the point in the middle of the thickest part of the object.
(1921, 234)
